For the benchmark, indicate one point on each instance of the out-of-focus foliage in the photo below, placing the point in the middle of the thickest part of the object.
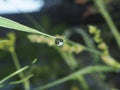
(88, 59)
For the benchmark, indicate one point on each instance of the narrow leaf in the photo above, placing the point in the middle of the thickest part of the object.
(7, 23)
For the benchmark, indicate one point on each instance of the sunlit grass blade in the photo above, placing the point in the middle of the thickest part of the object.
(2, 41)
(7, 23)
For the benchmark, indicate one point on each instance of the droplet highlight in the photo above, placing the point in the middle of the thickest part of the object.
(59, 42)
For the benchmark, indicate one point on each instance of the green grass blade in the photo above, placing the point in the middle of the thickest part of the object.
(7, 23)
(13, 74)
(88, 42)
(102, 8)
(84, 71)
(2, 41)
(22, 80)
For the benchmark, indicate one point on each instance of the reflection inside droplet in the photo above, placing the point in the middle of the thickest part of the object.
(59, 41)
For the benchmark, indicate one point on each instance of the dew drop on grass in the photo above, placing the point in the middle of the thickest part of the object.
(59, 41)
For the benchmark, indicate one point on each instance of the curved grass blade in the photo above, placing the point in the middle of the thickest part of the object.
(13, 74)
(7, 23)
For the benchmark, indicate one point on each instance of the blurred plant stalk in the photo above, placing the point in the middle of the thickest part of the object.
(101, 6)
(9, 45)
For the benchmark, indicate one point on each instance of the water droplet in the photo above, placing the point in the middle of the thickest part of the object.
(59, 41)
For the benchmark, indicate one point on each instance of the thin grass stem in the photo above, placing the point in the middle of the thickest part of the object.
(13, 74)
(101, 6)
(26, 83)
(84, 71)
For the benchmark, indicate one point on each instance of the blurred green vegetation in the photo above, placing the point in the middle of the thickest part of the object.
(85, 65)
